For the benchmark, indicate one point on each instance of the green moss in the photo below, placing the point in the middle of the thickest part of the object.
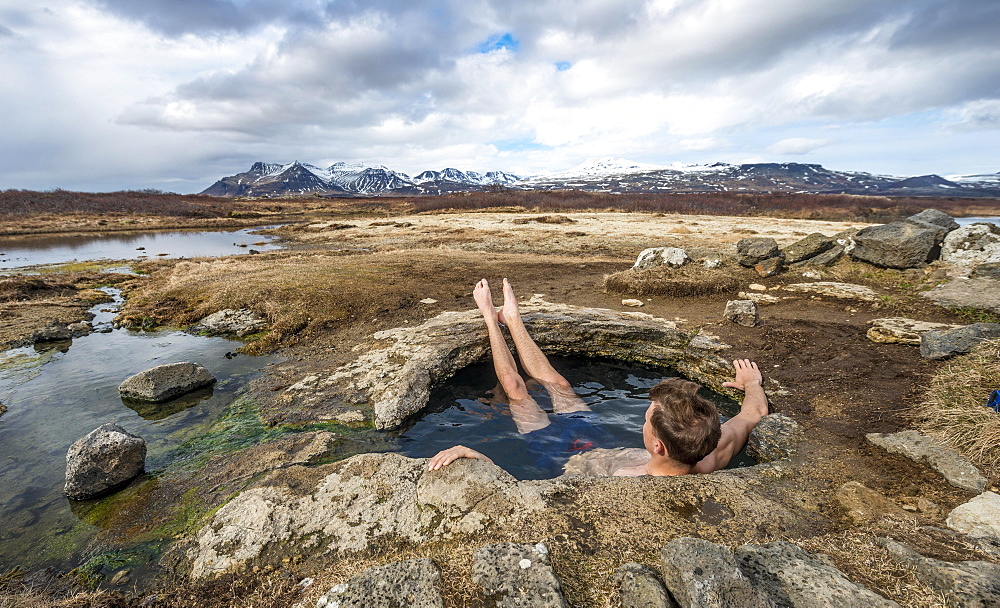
(976, 315)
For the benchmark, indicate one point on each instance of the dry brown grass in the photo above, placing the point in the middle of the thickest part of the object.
(857, 555)
(688, 280)
(952, 409)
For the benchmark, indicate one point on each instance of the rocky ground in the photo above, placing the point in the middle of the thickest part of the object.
(343, 280)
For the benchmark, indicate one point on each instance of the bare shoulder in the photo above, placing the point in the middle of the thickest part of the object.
(607, 462)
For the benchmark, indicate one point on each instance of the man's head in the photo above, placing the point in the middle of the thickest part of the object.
(686, 425)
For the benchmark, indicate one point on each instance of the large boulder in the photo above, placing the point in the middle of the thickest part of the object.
(751, 250)
(414, 582)
(808, 247)
(972, 245)
(165, 382)
(790, 576)
(940, 344)
(958, 471)
(517, 575)
(103, 460)
(905, 244)
(660, 256)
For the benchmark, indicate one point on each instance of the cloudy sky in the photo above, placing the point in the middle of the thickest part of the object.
(173, 94)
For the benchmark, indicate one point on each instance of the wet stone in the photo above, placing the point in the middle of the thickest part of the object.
(106, 458)
(165, 382)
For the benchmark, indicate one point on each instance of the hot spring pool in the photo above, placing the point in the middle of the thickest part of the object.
(462, 411)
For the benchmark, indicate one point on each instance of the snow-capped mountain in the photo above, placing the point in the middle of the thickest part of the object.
(271, 179)
(615, 175)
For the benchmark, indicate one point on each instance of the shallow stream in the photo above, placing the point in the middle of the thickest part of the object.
(58, 392)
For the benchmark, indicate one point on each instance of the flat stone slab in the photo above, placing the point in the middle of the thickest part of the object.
(900, 330)
(981, 294)
(970, 584)
(833, 289)
(164, 382)
(958, 471)
(414, 582)
(701, 573)
(979, 518)
(790, 576)
(394, 377)
(518, 575)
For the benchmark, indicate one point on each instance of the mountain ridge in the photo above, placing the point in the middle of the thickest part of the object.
(611, 175)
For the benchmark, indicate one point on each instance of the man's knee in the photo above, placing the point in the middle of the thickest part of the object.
(514, 386)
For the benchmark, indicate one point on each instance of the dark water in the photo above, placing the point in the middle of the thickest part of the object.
(22, 252)
(57, 393)
(461, 412)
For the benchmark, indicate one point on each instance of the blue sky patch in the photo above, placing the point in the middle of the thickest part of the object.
(562, 66)
(498, 42)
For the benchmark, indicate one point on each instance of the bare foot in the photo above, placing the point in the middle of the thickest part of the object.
(484, 300)
(510, 308)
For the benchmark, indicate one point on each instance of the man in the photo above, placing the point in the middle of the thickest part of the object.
(681, 433)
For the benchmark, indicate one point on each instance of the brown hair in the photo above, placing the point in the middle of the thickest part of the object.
(687, 424)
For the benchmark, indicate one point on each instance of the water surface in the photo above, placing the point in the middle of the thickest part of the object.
(59, 392)
(462, 411)
(26, 251)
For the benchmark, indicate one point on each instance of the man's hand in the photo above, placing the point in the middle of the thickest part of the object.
(747, 374)
(446, 457)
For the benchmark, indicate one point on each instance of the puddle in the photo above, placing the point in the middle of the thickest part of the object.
(461, 412)
(27, 251)
(59, 392)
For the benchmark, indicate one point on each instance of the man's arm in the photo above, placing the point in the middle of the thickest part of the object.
(736, 430)
(446, 457)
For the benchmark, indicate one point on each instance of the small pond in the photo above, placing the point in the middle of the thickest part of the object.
(461, 411)
(27, 251)
(58, 392)
(965, 221)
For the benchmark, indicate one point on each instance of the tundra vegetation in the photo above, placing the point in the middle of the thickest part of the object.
(358, 266)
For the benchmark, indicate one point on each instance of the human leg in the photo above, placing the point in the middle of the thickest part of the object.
(534, 361)
(528, 416)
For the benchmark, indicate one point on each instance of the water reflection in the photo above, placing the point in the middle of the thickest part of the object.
(57, 393)
(24, 251)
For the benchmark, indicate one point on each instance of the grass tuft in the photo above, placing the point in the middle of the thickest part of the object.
(953, 407)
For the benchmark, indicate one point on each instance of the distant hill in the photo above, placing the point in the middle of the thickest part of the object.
(613, 175)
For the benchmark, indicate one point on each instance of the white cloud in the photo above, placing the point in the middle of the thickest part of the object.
(796, 146)
(109, 92)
